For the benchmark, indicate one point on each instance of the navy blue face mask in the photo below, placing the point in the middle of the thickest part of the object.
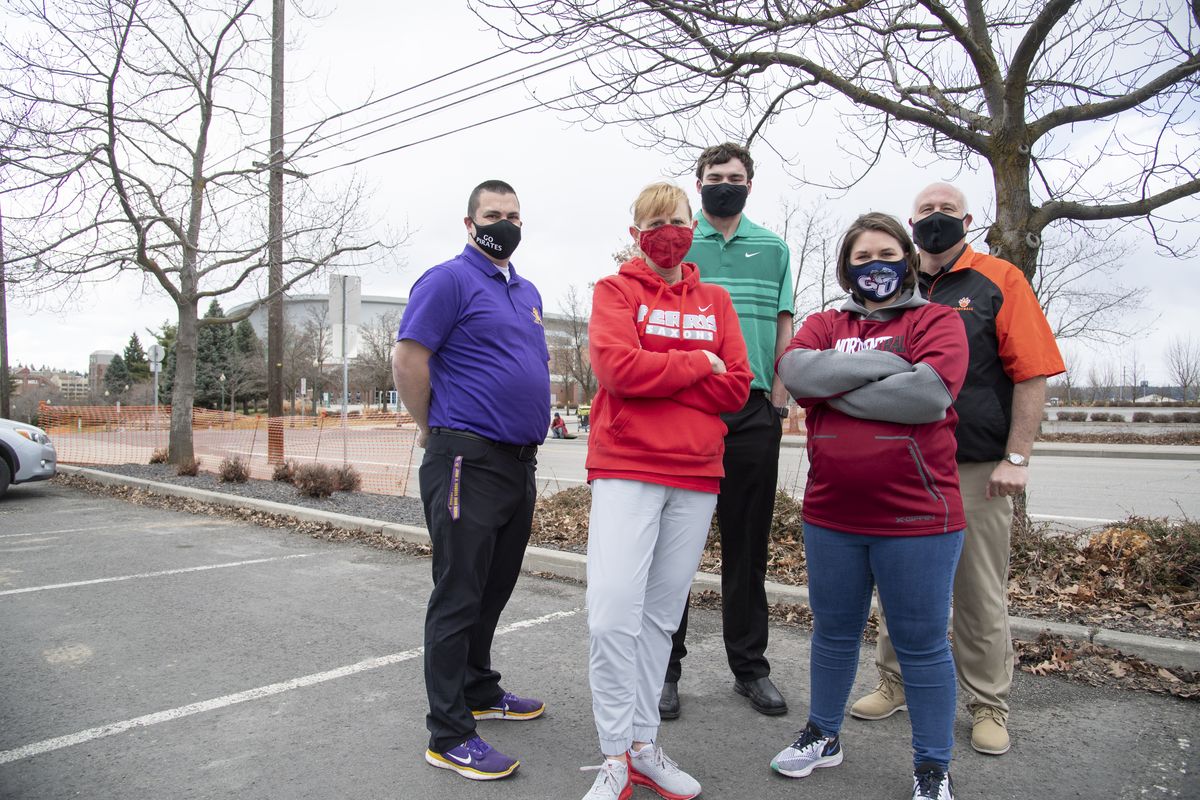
(877, 280)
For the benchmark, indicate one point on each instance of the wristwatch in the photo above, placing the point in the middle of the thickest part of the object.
(782, 411)
(1017, 460)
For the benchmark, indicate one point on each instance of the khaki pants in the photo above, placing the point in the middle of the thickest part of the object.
(983, 651)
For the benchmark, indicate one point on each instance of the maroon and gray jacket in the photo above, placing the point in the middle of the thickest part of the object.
(879, 388)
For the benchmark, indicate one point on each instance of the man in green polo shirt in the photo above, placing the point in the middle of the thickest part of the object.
(754, 265)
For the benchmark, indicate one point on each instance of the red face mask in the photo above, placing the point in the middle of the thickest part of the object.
(666, 245)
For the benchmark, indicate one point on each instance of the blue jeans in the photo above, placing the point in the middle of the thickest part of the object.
(915, 575)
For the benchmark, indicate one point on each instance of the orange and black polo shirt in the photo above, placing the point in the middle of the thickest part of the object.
(1009, 339)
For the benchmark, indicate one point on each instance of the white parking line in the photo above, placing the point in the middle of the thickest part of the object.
(91, 734)
(64, 530)
(154, 574)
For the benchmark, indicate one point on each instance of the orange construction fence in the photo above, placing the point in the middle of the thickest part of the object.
(378, 445)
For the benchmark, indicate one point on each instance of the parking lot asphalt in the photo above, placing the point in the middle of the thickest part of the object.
(157, 654)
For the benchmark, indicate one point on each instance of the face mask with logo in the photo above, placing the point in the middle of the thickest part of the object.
(724, 199)
(938, 232)
(499, 240)
(877, 280)
(666, 245)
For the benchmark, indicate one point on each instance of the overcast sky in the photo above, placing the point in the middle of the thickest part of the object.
(575, 185)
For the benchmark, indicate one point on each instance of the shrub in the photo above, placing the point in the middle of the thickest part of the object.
(1143, 416)
(284, 472)
(314, 480)
(1072, 416)
(1100, 416)
(1162, 418)
(346, 479)
(1186, 416)
(160, 456)
(1114, 417)
(190, 468)
(233, 470)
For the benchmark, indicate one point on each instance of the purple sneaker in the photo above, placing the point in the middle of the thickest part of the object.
(474, 759)
(512, 707)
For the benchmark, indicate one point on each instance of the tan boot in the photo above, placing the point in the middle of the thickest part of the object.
(887, 699)
(989, 730)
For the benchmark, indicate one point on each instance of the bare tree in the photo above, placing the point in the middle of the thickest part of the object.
(1102, 380)
(1083, 110)
(1131, 371)
(1183, 365)
(135, 115)
(571, 354)
(373, 366)
(812, 237)
(1065, 386)
(1078, 287)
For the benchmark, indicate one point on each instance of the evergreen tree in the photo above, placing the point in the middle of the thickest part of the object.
(116, 378)
(136, 361)
(165, 336)
(214, 357)
(249, 365)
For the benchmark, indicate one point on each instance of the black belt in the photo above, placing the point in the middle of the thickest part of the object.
(521, 452)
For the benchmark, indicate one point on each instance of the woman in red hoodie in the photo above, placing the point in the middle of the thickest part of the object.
(882, 505)
(669, 356)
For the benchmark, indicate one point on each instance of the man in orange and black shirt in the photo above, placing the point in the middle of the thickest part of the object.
(1012, 353)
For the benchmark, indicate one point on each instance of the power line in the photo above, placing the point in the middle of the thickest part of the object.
(450, 73)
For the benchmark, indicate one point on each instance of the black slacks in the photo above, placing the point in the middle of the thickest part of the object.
(744, 510)
(478, 506)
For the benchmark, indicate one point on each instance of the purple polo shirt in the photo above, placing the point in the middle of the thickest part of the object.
(489, 370)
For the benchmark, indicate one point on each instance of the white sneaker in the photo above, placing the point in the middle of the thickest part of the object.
(612, 783)
(651, 768)
(931, 782)
(811, 750)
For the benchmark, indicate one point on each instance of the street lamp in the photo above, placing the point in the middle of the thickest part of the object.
(222, 380)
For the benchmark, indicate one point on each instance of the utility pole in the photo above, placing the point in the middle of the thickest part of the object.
(275, 247)
(5, 409)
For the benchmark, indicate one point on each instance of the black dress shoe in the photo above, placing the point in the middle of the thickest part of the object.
(668, 701)
(763, 695)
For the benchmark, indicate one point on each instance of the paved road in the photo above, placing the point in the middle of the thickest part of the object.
(1084, 490)
(153, 654)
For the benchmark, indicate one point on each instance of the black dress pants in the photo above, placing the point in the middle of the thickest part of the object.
(744, 511)
(479, 506)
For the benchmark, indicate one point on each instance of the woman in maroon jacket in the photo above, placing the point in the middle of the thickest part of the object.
(882, 506)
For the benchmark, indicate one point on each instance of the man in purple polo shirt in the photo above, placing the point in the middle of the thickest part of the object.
(472, 367)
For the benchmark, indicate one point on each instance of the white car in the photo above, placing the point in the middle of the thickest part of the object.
(26, 454)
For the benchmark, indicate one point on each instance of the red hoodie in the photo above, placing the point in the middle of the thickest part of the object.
(656, 415)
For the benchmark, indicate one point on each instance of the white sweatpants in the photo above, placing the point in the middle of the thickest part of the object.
(644, 544)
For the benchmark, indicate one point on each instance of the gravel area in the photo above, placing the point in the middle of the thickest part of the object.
(385, 508)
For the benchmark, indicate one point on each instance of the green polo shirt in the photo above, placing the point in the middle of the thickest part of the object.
(755, 267)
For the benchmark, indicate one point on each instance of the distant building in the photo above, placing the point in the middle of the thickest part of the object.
(97, 365)
(72, 387)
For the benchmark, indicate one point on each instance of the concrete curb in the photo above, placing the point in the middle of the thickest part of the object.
(564, 564)
(1167, 452)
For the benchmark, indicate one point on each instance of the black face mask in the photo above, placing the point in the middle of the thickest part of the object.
(724, 199)
(498, 240)
(938, 232)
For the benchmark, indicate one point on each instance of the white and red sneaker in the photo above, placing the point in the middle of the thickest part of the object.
(651, 768)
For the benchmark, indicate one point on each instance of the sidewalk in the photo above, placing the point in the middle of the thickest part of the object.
(561, 564)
